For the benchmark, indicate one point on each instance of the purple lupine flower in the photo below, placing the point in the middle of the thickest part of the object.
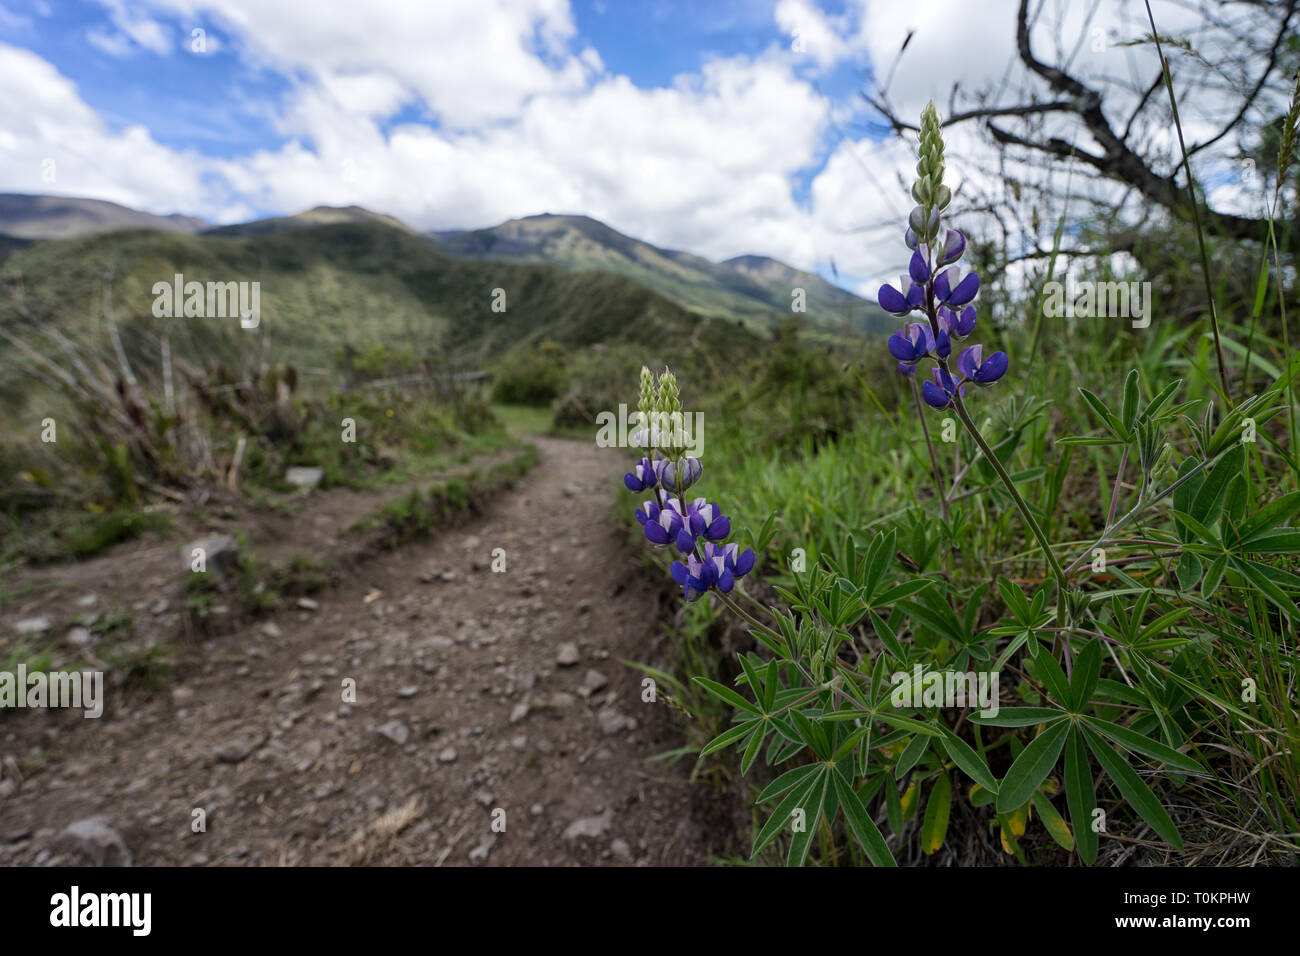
(642, 476)
(954, 244)
(695, 576)
(912, 344)
(959, 294)
(939, 392)
(980, 370)
(707, 521)
(958, 325)
(919, 267)
(942, 344)
(909, 237)
(668, 471)
(906, 369)
(901, 303)
(681, 526)
(660, 524)
(722, 566)
(730, 561)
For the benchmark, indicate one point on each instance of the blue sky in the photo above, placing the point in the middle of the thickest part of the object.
(722, 128)
(266, 114)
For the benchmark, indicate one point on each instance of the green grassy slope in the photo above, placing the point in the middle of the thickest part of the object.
(753, 288)
(329, 286)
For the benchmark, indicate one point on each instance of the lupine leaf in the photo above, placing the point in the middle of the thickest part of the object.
(1137, 793)
(726, 694)
(970, 762)
(812, 805)
(1080, 797)
(1031, 768)
(937, 809)
(1018, 717)
(863, 827)
(1145, 745)
(1087, 668)
(1057, 828)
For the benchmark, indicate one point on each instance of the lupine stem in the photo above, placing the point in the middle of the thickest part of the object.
(934, 458)
(1021, 506)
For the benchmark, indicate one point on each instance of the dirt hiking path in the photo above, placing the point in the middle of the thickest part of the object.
(479, 697)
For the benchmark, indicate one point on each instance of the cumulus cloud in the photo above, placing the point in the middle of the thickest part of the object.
(52, 142)
(463, 114)
(131, 31)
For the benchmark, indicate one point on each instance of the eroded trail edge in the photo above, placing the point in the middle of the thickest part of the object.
(480, 696)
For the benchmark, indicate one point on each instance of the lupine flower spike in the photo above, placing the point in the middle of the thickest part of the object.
(696, 529)
(935, 287)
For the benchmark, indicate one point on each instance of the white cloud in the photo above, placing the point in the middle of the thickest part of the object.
(48, 129)
(134, 30)
(522, 122)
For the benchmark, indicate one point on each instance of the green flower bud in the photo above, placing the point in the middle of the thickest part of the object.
(646, 403)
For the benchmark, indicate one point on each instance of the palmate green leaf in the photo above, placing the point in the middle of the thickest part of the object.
(1136, 742)
(1057, 828)
(836, 716)
(1080, 797)
(1088, 440)
(864, 828)
(727, 737)
(893, 808)
(1087, 668)
(901, 591)
(1046, 669)
(813, 734)
(1209, 499)
(1161, 624)
(771, 684)
(970, 762)
(911, 755)
(751, 677)
(784, 782)
(938, 807)
(1213, 576)
(1253, 572)
(1018, 717)
(1154, 407)
(1276, 541)
(1200, 530)
(1128, 411)
(1014, 599)
(1234, 505)
(752, 748)
(1107, 417)
(781, 816)
(1185, 493)
(812, 806)
(1108, 689)
(1188, 570)
(1270, 516)
(1031, 768)
(726, 694)
(908, 723)
(944, 623)
(1137, 793)
(888, 637)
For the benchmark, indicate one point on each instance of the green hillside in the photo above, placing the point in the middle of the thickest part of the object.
(327, 287)
(754, 288)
